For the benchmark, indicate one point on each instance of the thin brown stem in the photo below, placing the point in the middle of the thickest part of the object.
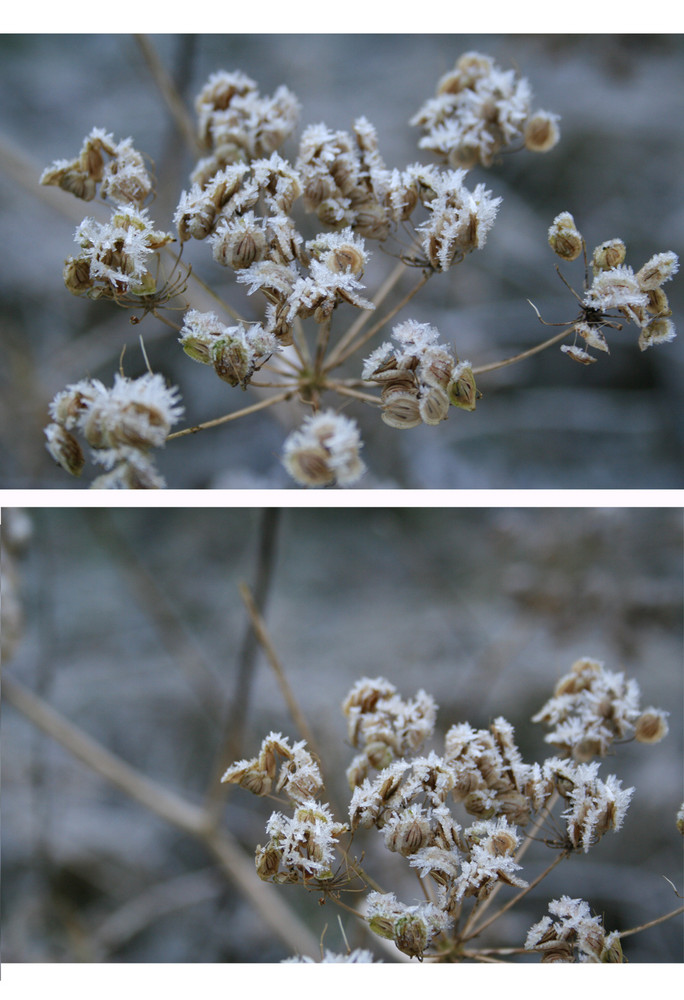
(516, 899)
(279, 398)
(344, 390)
(524, 354)
(236, 720)
(338, 356)
(652, 923)
(171, 97)
(262, 635)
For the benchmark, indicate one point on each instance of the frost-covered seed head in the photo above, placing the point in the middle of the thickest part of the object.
(651, 726)
(65, 449)
(541, 132)
(564, 237)
(660, 268)
(658, 331)
(461, 390)
(607, 255)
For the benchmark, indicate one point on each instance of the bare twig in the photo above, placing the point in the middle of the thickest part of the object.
(173, 101)
(262, 405)
(284, 923)
(272, 657)
(234, 728)
(652, 923)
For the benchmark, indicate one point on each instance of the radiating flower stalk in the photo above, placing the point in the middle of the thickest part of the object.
(461, 817)
(251, 207)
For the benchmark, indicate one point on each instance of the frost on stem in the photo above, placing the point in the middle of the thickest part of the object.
(324, 451)
(480, 110)
(120, 424)
(573, 936)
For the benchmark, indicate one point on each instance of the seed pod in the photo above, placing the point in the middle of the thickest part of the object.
(410, 935)
(651, 726)
(76, 274)
(658, 304)
(607, 255)
(541, 132)
(402, 411)
(233, 360)
(65, 449)
(462, 391)
(436, 367)
(347, 257)
(267, 861)
(564, 238)
(434, 406)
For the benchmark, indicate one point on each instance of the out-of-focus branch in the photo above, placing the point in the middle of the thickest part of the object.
(169, 806)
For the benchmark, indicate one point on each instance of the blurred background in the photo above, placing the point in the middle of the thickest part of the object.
(130, 624)
(545, 423)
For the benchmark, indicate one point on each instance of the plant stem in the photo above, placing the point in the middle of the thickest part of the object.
(173, 101)
(234, 726)
(262, 636)
(279, 398)
(652, 923)
(282, 921)
(346, 391)
(525, 354)
(512, 902)
(338, 356)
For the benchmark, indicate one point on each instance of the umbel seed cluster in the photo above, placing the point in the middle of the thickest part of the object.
(310, 337)
(460, 817)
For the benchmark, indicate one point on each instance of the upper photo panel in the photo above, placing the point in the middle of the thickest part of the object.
(341, 261)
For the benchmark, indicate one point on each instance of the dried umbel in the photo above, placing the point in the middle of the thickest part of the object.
(479, 110)
(574, 935)
(247, 201)
(324, 451)
(120, 424)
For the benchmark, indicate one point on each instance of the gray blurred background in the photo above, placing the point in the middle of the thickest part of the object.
(547, 422)
(133, 628)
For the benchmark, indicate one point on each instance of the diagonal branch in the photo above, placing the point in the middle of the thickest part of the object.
(282, 921)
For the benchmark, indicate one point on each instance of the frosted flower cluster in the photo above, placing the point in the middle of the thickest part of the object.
(592, 707)
(120, 424)
(412, 799)
(117, 167)
(236, 352)
(635, 297)
(412, 928)
(384, 725)
(574, 935)
(355, 957)
(114, 256)
(420, 377)
(480, 110)
(324, 451)
(237, 123)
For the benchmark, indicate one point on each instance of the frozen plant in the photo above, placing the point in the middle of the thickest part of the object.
(311, 338)
(461, 817)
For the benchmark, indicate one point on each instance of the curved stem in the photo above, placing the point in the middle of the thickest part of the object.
(525, 354)
(652, 923)
(279, 398)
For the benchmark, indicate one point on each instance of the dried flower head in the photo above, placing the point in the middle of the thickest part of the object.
(324, 451)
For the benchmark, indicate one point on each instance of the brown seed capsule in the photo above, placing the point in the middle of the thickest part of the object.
(233, 361)
(651, 726)
(410, 935)
(267, 861)
(462, 390)
(607, 255)
(564, 238)
(541, 132)
(65, 449)
(345, 258)
(434, 406)
(402, 411)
